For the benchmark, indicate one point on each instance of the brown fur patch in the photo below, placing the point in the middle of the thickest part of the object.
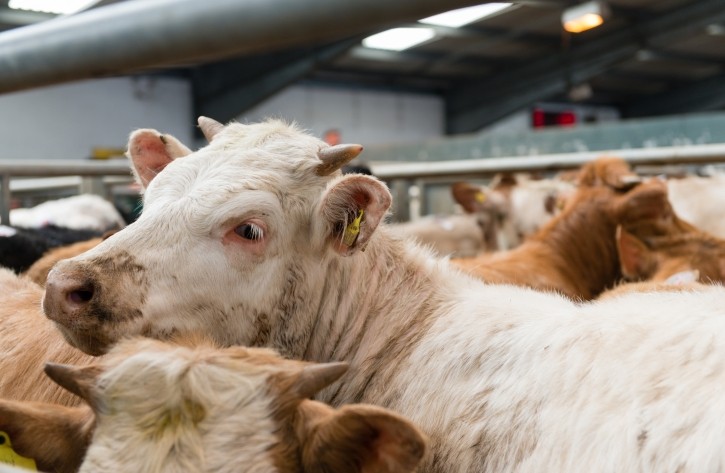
(56, 437)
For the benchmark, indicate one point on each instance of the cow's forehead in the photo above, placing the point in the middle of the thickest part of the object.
(269, 156)
(211, 180)
(162, 369)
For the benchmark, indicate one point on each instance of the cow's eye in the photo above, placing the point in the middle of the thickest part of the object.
(249, 231)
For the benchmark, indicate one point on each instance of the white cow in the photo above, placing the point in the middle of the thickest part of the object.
(256, 239)
(79, 212)
(458, 236)
(700, 201)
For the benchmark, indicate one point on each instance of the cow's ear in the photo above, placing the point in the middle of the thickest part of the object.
(357, 439)
(80, 380)
(635, 258)
(351, 210)
(468, 196)
(56, 437)
(150, 152)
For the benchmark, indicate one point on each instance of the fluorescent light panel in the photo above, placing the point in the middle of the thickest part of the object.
(60, 7)
(398, 39)
(464, 16)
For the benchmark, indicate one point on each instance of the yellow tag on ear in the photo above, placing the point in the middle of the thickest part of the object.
(8, 455)
(480, 197)
(352, 230)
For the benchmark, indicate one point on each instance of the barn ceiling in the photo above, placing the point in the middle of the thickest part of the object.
(652, 57)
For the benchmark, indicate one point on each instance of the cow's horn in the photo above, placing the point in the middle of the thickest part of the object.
(335, 157)
(209, 127)
(315, 377)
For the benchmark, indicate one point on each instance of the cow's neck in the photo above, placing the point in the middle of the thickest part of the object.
(368, 309)
(569, 242)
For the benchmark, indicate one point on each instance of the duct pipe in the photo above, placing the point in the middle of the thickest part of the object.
(137, 34)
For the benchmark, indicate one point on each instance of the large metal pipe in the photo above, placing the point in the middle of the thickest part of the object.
(138, 34)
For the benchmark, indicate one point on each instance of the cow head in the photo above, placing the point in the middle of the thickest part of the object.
(200, 408)
(229, 238)
(676, 258)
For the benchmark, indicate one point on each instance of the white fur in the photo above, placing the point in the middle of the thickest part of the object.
(80, 212)
(141, 425)
(451, 235)
(527, 211)
(700, 200)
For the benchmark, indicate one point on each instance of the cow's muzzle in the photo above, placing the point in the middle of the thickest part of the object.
(68, 297)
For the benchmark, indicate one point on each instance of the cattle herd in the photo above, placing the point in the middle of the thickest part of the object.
(566, 324)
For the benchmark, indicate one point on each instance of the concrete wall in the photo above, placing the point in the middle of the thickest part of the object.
(362, 116)
(67, 121)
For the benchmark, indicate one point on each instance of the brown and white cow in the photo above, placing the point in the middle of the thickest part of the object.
(700, 201)
(575, 254)
(257, 239)
(191, 407)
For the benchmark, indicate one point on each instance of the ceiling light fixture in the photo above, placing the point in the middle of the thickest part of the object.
(585, 16)
(464, 16)
(64, 7)
(398, 39)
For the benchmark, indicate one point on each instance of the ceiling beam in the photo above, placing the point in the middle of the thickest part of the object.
(491, 41)
(700, 96)
(395, 81)
(229, 101)
(481, 103)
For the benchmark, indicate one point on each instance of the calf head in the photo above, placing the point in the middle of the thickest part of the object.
(608, 171)
(490, 208)
(162, 407)
(679, 258)
(226, 242)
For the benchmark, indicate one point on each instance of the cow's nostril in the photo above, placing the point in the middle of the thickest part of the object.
(80, 296)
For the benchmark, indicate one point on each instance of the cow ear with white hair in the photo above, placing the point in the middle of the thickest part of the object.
(357, 439)
(351, 209)
(150, 152)
(80, 380)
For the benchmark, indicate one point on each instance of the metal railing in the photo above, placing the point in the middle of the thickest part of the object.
(402, 176)
(53, 168)
(700, 154)
(396, 172)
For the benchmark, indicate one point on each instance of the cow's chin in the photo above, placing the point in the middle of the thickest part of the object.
(90, 344)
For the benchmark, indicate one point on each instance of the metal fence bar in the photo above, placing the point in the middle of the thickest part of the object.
(700, 154)
(53, 168)
(64, 167)
(5, 209)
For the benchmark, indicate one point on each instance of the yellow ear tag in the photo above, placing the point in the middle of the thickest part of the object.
(8, 455)
(480, 197)
(352, 230)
